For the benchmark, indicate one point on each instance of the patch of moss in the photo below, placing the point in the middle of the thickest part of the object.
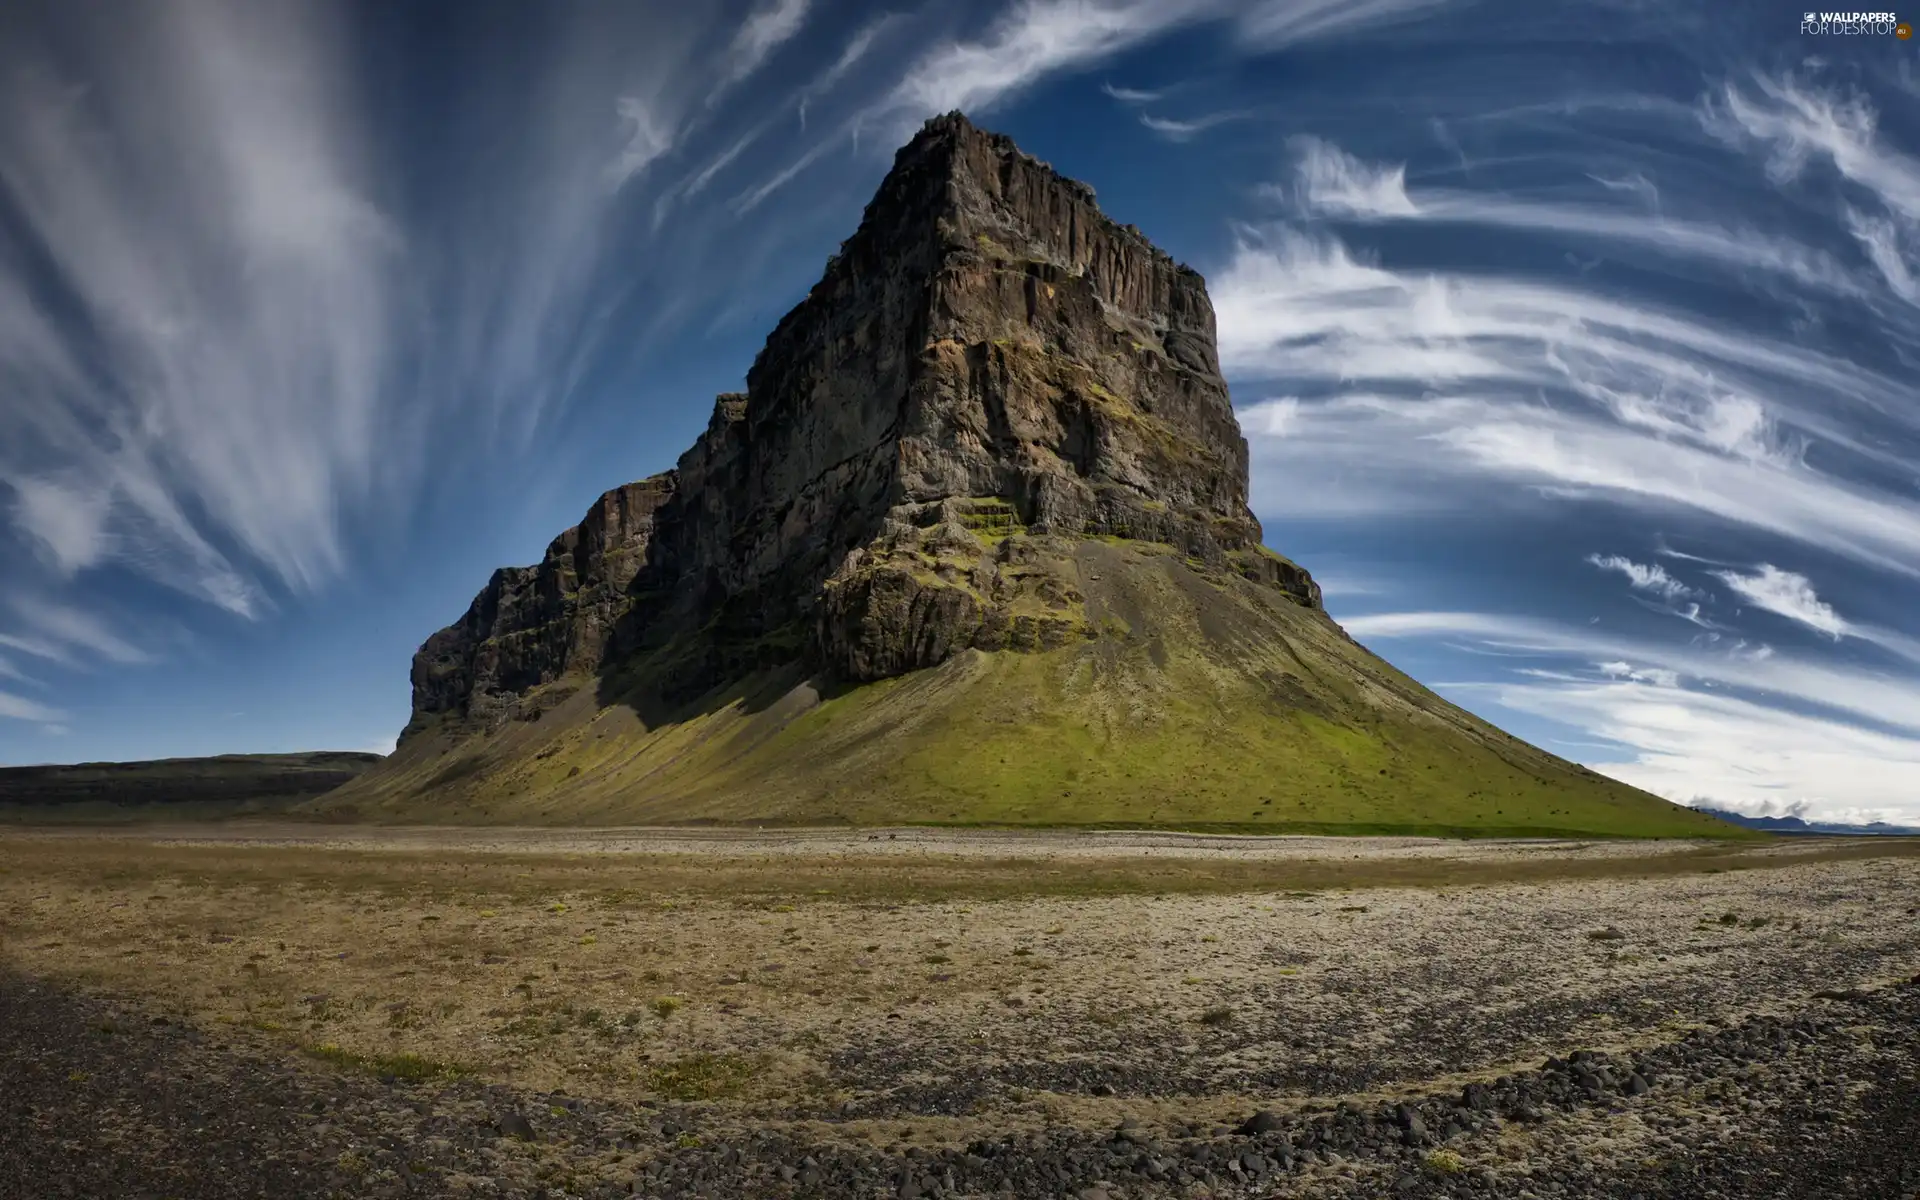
(703, 1076)
(409, 1067)
(991, 516)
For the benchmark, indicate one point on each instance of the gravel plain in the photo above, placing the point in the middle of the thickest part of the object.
(204, 1017)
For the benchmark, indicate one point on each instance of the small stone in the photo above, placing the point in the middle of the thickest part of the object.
(514, 1125)
(1410, 1121)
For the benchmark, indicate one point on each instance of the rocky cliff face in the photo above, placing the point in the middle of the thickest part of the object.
(988, 371)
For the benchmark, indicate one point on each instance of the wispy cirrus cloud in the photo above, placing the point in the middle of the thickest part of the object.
(1797, 123)
(1336, 183)
(1492, 390)
(229, 342)
(19, 708)
(61, 633)
(1697, 746)
(649, 135)
(1860, 694)
(852, 53)
(1645, 577)
(183, 342)
(1190, 128)
(1703, 722)
(1786, 594)
(1538, 382)
(1332, 181)
(66, 522)
(1031, 40)
(1274, 24)
(765, 30)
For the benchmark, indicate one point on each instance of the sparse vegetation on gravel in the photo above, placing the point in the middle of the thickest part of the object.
(492, 1023)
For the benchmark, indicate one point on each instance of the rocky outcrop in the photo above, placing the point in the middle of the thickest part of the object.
(988, 370)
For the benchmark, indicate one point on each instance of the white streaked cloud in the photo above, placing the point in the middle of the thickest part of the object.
(852, 53)
(1275, 24)
(1729, 752)
(765, 30)
(1036, 38)
(1796, 124)
(261, 350)
(1333, 182)
(751, 198)
(61, 633)
(856, 49)
(19, 708)
(1657, 676)
(649, 135)
(1032, 40)
(242, 310)
(1860, 694)
(1646, 577)
(1703, 722)
(1788, 595)
(1464, 384)
(65, 522)
(1187, 130)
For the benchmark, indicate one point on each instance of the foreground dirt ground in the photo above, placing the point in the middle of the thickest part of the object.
(814, 1010)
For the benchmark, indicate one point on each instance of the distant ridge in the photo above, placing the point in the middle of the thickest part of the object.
(1796, 825)
(973, 547)
(182, 786)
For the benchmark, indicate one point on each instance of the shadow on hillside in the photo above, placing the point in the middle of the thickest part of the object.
(665, 672)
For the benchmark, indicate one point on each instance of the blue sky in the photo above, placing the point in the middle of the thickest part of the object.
(1578, 345)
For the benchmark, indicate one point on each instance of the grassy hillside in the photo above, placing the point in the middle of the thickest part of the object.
(1192, 699)
(225, 785)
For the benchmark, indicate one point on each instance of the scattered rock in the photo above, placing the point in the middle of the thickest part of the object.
(514, 1125)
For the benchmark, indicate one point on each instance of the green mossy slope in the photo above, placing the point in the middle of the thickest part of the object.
(1194, 699)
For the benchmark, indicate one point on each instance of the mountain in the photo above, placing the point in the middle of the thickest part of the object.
(170, 787)
(973, 546)
(1800, 826)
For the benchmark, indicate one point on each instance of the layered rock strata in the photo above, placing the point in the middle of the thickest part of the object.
(988, 370)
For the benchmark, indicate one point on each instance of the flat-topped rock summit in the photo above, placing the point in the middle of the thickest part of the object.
(973, 545)
(987, 355)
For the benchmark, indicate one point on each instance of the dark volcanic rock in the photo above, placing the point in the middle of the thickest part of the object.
(987, 356)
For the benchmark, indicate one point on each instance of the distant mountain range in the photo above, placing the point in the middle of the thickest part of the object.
(1796, 825)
